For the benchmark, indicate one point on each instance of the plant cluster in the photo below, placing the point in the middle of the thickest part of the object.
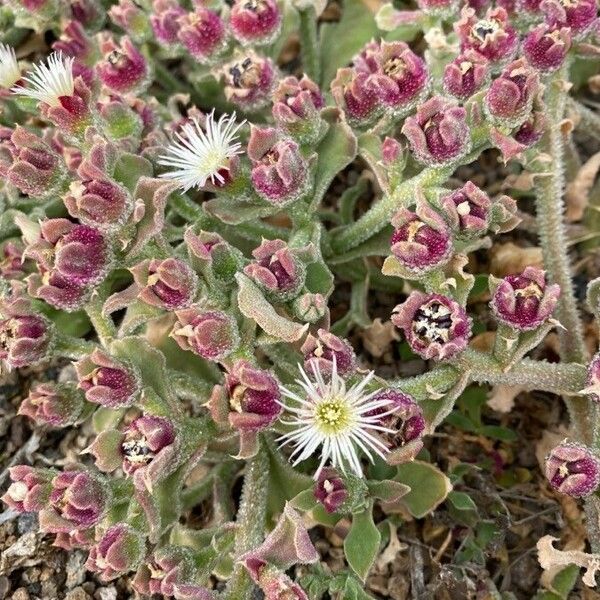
(168, 224)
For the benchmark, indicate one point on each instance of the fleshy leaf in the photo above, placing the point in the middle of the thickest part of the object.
(362, 543)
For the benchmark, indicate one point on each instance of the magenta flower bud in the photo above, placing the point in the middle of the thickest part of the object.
(296, 108)
(277, 270)
(438, 133)
(204, 35)
(466, 74)
(165, 19)
(532, 129)
(404, 417)
(491, 36)
(120, 550)
(546, 48)
(106, 381)
(11, 261)
(421, 241)
(131, 19)
(593, 379)
(54, 404)
(279, 171)
(321, 352)
(78, 500)
(124, 69)
(74, 41)
(467, 210)
(510, 97)
(29, 490)
(573, 469)
(249, 81)
(88, 12)
(392, 152)
(310, 307)
(74, 540)
(580, 16)
(77, 252)
(330, 490)
(100, 203)
(524, 301)
(168, 283)
(211, 334)
(435, 327)
(355, 93)
(57, 290)
(255, 22)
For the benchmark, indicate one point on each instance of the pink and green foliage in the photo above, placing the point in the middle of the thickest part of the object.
(177, 184)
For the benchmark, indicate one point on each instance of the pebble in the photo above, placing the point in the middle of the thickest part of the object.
(78, 594)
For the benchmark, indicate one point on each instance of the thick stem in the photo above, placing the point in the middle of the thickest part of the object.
(310, 43)
(103, 324)
(250, 522)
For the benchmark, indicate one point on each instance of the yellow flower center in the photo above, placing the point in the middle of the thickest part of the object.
(332, 416)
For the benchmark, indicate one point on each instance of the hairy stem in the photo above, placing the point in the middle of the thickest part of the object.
(103, 324)
(310, 43)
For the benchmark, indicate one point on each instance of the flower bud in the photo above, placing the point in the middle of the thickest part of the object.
(330, 490)
(78, 500)
(275, 584)
(510, 97)
(120, 550)
(255, 22)
(106, 381)
(57, 290)
(55, 404)
(524, 301)
(11, 261)
(74, 41)
(532, 129)
(209, 251)
(466, 74)
(296, 109)
(310, 307)
(277, 270)
(211, 334)
(29, 490)
(421, 241)
(279, 171)
(88, 12)
(170, 283)
(249, 81)
(321, 352)
(438, 133)
(467, 210)
(438, 8)
(124, 69)
(355, 94)
(593, 379)
(573, 469)
(546, 48)
(579, 16)
(204, 35)
(491, 36)
(74, 540)
(436, 327)
(165, 20)
(131, 19)
(403, 417)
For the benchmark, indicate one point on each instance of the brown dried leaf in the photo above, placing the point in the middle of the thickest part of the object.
(577, 192)
(594, 84)
(502, 397)
(378, 337)
(509, 258)
(551, 558)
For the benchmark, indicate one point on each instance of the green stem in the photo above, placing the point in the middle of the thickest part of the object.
(310, 43)
(70, 347)
(103, 324)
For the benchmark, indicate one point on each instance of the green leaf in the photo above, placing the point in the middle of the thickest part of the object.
(304, 501)
(462, 508)
(562, 584)
(75, 324)
(498, 433)
(429, 487)
(130, 168)
(361, 545)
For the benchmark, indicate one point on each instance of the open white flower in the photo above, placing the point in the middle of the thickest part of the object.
(9, 67)
(48, 82)
(201, 155)
(342, 421)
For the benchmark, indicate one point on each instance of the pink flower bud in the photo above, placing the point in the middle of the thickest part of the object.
(510, 97)
(524, 301)
(131, 19)
(491, 36)
(532, 129)
(421, 240)
(404, 417)
(546, 48)
(11, 261)
(124, 69)
(165, 20)
(573, 469)
(279, 171)
(255, 22)
(436, 327)
(100, 203)
(73, 540)
(120, 550)
(276, 585)
(74, 41)
(438, 8)
(330, 490)
(277, 270)
(391, 151)
(168, 283)
(55, 404)
(106, 381)
(438, 133)
(322, 351)
(204, 34)
(57, 290)
(296, 108)
(29, 490)
(467, 210)
(211, 334)
(593, 379)
(466, 74)
(355, 93)
(78, 500)
(88, 12)
(580, 16)
(249, 81)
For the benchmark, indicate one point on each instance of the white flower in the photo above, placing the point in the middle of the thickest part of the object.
(342, 421)
(200, 155)
(9, 67)
(49, 81)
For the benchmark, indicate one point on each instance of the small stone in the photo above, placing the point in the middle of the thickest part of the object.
(20, 594)
(78, 594)
(106, 593)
